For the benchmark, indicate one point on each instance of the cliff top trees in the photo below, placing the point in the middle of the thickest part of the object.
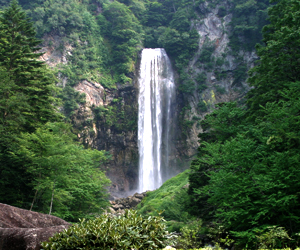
(125, 34)
(279, 57)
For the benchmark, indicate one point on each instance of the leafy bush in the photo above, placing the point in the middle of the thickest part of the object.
(240, 74)
(274, 236)
(221, 90)
(189, 237)
(123, 232)
(206, 53)
(202, 106)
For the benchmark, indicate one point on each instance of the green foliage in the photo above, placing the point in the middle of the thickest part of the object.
(64, 172)
(61, 16)
(246, 171)
(105, 232)
(221, 90)
(18, 55)
(167, 24)
(278, 65)
(27, 102)
(189, 237)
(170, 199)
(240, 74)
(222, 11)
(274, 236)
(201, 82)
(252, 171)
(247, 21)
(179, 45)
(118, 116)
(202, 106)
(71, 98)
(187, 85)
(180, 21)
(125, 34)
(206, 53)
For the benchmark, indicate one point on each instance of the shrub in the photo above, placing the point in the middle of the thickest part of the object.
(106, 232)
(221, 90)
(202, 106)
(273, 237)
(189, 237)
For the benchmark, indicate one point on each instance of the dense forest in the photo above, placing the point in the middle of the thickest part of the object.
(42, 166)
(242, 188)
(246, 173)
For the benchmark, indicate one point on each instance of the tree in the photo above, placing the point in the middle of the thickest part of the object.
(125, 34)
(249, 157)
(19, 57)
(279, 56)
(27, 102)
(67, 179)
(221, 125)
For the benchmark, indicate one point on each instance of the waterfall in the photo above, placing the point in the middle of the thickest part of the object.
(156, 95)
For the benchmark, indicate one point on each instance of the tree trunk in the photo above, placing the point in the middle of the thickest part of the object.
(52, 199)
(34, 199)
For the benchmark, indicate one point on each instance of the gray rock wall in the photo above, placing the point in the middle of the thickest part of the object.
(214, 31)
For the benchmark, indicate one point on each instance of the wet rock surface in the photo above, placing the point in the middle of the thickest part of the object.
(22, 229)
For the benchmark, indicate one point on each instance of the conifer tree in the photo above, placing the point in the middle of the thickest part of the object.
(19, 57)
(26, 92)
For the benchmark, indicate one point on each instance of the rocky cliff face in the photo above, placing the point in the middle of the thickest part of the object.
(112, 135)
(108, 120)
(104, 129)
(220, 72)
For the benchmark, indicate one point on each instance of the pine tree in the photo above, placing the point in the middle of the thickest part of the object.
(19, 57)
(26, 91)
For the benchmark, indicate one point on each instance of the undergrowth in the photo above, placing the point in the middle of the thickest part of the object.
(170, 200)
(128, 231)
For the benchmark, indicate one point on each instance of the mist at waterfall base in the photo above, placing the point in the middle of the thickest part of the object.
(156, 102)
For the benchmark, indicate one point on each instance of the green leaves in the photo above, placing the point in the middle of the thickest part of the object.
(27, 101)
(249, 171)
(278, 64)
(105, 232)
(170, 201)
(125, 34)
(247, 167)
(64, 169)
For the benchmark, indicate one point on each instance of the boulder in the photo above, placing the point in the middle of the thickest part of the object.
(21, 229)
(134, 201)
(139, 196)
(118, 206)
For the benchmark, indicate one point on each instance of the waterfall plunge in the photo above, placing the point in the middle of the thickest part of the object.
(156, 94)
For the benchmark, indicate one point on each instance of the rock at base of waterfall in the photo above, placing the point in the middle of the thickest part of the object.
(22, 229)
(119, 205)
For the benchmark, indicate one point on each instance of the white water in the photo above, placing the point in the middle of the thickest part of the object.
(156, 93)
